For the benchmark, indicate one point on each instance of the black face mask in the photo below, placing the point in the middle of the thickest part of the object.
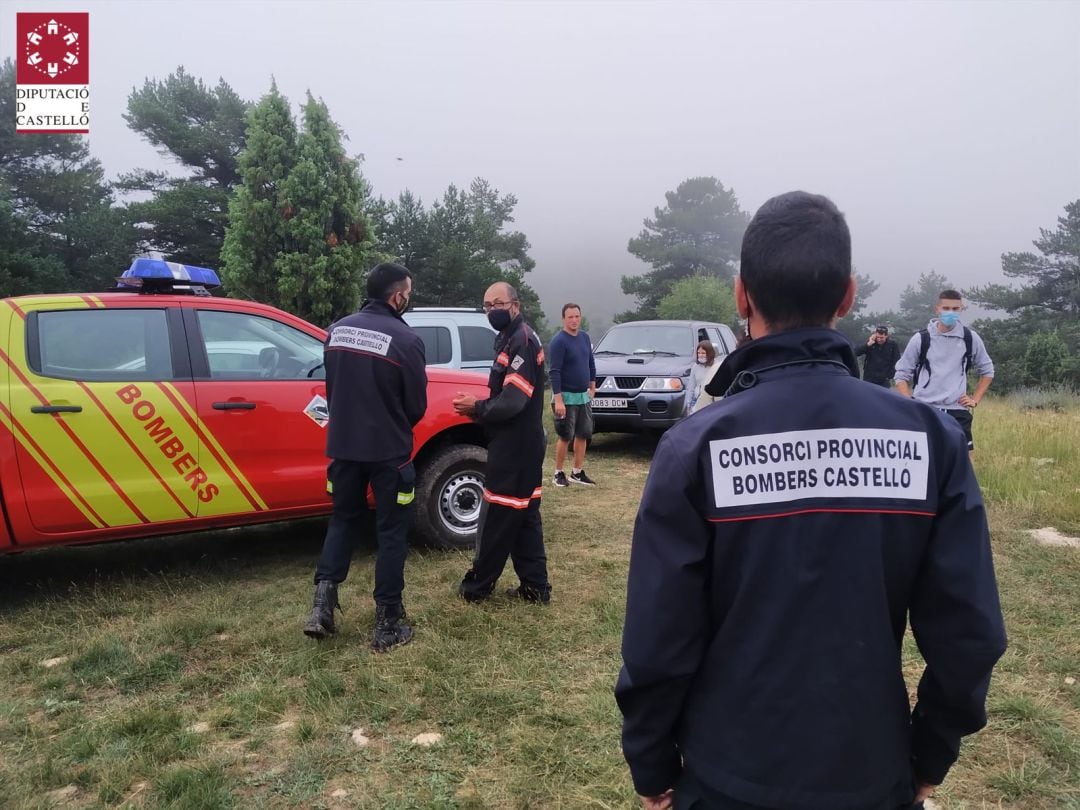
(404, 305)
(499, 319)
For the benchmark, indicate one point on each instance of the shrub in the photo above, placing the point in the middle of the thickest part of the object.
(1054, 397)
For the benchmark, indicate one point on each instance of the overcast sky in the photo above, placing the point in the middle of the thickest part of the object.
(947, 132)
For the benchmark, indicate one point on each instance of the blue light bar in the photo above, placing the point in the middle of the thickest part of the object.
(160, 271)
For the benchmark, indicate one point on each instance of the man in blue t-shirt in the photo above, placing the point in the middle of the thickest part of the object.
(573, 384)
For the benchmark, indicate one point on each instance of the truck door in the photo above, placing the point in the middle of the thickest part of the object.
(95, 405)
(261, 395)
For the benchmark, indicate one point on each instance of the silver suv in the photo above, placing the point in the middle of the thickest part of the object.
(643, 369)
(454, 337)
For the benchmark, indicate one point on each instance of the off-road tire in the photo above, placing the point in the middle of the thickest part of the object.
(449, 485)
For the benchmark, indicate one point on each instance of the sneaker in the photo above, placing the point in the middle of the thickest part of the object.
(530, 593)
(560, 479)
(582, 478)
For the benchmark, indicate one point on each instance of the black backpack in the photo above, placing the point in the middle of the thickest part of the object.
(922, 362)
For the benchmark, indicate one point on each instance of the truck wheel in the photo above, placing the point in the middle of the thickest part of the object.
(449, 492)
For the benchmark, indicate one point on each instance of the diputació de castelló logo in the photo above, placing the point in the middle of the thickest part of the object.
(52, 74)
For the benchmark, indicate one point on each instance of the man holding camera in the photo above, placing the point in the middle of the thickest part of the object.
(881, 353)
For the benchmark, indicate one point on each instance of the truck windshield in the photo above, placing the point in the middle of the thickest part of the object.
(632, 339)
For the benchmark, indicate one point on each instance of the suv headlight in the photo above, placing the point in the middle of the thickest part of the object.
(662, 384)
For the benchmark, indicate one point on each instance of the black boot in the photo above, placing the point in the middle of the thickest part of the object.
(531, 593)
(390, 628)
(320, 623)
(468, 591)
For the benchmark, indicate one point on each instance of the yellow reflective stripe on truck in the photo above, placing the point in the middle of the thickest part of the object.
(153, 438)
(49, 466)
(82, 455)
(215, 457)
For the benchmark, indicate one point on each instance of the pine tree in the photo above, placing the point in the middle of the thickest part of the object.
(203, 129)
(1051, 279)
(698, 232)
(259, 211)
(59, 231)
(459, 247)
(328, 240)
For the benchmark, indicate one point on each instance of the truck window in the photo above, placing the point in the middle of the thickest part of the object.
(717, 339)
(102, 344)
(477, 344)
(437, 346)
(240, 346)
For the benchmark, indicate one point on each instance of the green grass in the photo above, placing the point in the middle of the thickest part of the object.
(161, 635)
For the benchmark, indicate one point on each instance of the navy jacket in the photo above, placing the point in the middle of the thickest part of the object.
(785, 536)
(376, 385)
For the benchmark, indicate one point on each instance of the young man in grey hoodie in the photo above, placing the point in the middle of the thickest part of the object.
(941, 380)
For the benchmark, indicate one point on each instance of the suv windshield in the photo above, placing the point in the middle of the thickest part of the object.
(631, 339)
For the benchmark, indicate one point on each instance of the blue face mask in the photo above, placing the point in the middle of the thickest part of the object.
(949, 319)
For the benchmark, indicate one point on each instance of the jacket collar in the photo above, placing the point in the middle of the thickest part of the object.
(510, 327)
(820, 346)
(381, 308)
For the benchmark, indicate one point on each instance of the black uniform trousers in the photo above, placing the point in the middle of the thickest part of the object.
(691, 794)
(349, 482)
(510, 524)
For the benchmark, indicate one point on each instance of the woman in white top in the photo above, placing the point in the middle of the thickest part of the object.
(705, 366)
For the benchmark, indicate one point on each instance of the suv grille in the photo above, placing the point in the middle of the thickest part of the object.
(626, 383)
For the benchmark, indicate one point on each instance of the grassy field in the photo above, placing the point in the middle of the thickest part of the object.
(172, 673)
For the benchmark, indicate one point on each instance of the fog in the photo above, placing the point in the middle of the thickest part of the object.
(948, 132)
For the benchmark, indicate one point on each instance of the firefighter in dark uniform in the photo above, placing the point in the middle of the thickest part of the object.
(512, 416)
(785, 536)
(376, 385)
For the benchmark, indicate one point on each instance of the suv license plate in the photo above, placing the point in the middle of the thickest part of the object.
(610, 402)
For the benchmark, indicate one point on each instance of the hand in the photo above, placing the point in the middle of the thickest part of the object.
(871, 340)
(464, 403)
(923, 791)
(560, 408)
(665, 801)
(969, 402)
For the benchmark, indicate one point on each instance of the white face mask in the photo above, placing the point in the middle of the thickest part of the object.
(702, 359)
